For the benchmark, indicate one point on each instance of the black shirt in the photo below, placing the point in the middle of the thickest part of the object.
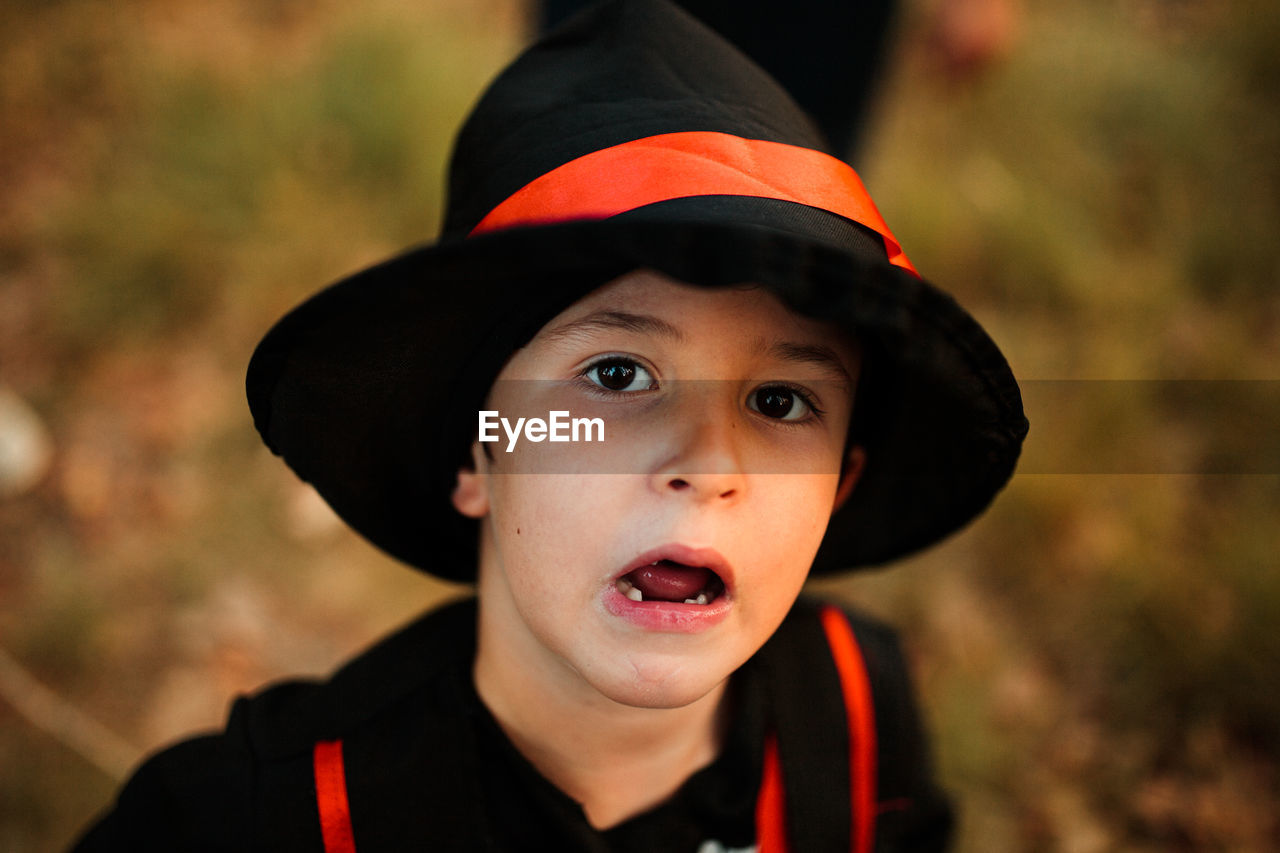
(427, 766)
(717, 803)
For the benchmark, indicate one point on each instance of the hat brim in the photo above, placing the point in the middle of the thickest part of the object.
(368, 389)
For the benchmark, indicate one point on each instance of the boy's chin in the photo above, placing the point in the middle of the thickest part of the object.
(658, 687)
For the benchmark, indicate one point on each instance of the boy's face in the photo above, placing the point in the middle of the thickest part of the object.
(725, 418)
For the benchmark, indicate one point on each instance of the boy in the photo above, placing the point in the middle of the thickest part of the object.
(645, 233)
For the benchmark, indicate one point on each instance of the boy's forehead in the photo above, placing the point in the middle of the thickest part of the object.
(743, 325)
(650, 303)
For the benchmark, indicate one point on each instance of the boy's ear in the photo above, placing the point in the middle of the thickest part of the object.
(854, 462)
(471, 491)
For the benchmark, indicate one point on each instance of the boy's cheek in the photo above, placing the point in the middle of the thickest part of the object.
(801, 507)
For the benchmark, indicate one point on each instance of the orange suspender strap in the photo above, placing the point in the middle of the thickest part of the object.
(771, 835)
(860, 711)
(668, 166)
(331, 797)
(771, 823)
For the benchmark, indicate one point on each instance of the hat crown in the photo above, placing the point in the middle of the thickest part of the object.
(619, 71)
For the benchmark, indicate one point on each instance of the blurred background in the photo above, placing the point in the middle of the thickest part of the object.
(1099, 182)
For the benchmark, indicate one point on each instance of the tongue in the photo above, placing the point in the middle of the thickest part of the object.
(670, 581)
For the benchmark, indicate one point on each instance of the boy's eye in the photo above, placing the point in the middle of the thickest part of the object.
(620, 374)
(780, 402)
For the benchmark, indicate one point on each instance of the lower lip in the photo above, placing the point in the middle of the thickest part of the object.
(672, 617)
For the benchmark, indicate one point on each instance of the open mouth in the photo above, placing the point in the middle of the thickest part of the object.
(671, 581)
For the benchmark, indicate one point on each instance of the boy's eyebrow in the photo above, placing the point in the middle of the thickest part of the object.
(642, 323)
(820, 356)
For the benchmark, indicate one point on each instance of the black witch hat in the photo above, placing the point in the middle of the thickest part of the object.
(630, 137)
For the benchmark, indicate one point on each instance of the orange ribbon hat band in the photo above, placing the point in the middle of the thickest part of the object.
(659, 168)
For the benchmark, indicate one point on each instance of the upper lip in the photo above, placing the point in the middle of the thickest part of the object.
(687, 555)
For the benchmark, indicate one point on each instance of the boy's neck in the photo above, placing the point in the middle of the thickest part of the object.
(616, 760)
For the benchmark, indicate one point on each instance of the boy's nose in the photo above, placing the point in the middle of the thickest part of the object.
(702, 485)
(706, 460)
